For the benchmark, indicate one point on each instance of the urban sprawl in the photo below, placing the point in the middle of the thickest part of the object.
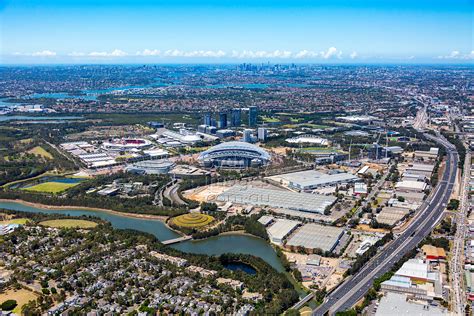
(245, 189)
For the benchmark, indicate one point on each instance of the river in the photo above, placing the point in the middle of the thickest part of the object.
(211, 246)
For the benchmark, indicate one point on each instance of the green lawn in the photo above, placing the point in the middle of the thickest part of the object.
(69, 223)
(268, 119)
(311, 125)
(50, 187)
(20, 221)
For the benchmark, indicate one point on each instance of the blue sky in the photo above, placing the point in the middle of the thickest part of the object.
(142, 31)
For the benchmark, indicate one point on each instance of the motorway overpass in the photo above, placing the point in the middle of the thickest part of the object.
(355, 287)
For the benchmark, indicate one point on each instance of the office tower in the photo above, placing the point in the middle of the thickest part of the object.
(262, 134)
(235, 116)
(247, 135)
(213, 122)
(222, 120)
(253, 112)
(207, 119)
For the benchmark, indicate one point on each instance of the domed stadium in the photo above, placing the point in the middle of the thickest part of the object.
(234, 155)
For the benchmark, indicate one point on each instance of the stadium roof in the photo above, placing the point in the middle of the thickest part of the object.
(235, 147)
(314, 236)
(307, 202)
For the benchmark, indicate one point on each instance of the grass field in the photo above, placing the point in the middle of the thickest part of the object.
(40, 151)
(192, 220)
(20, 221)
(26, 140)
(21, 296)
(69, 223)
(50, 187)
(311, 125)
(268, 119)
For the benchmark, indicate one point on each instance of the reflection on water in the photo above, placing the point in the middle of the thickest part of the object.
(211, 246)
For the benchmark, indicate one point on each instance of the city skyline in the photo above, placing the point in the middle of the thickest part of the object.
(52, 32)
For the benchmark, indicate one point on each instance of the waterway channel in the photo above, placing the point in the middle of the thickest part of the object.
(211, 246)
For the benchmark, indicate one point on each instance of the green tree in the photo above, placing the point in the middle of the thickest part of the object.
(8, 305)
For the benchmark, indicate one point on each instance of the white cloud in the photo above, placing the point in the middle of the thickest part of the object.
(455, 54)
(114, 53)
(149, 52)
(43, 53)
(261, 54)
(331, 52)
(195, 53)
(353, 55)
(305, 54)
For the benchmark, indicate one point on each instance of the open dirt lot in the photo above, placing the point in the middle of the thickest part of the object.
(21, 296)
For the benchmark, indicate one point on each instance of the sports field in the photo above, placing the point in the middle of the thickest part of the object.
(269, 119)
(50, 187)
(69, 223)
(21, 297)
(192, 220)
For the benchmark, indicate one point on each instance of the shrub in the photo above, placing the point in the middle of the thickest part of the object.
(8, 305)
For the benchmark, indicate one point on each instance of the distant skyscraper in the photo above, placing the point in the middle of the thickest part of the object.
(235, 117)
(253, 112)
(247, 135)
(207, 119)
(262, 134)
(222, 120)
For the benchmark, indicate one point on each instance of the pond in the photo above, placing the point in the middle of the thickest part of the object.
(240, 266)
(214, 246)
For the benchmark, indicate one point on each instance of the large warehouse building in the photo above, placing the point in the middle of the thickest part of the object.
(306, 202)
(312, 179)
(314, 236)
(234, 155)
(280, 229)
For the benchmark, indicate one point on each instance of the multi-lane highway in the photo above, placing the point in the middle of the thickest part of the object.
(456, 265)
(430, 213)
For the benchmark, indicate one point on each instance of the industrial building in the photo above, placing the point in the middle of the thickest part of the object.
(162, 166)
(426, 156)
(420, 169)
(280, 229)
(126, 144)
(411, 186)
(234, 155)
(315, 236)
(392, 215)
(224, 133)
(306, 202)
(312, 179)
(308, 139)
(266, 220)
(398, 304)
(184, 137)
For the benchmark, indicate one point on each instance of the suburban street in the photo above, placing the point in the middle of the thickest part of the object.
(430, 213)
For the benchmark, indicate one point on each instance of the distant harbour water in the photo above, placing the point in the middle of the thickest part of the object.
(4, 118)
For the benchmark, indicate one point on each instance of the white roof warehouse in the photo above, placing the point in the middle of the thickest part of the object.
(312, 179)
(314, 203)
